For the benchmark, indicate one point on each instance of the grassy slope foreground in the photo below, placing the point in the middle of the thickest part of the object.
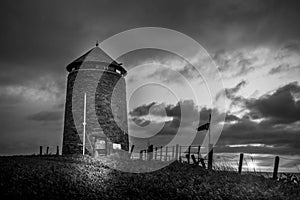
(33, 177)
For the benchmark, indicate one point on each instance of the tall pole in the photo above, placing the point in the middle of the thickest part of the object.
(84, 124)
(209, 142)
(275, 172)
(210, 146)
(241, 163)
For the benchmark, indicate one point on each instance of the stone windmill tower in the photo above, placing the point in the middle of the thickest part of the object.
(101, 79)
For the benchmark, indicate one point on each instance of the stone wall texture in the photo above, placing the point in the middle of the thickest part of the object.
(106, 108)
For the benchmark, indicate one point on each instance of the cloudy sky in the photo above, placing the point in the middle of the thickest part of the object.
(255, 44)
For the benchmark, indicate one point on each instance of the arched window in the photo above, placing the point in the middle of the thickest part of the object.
(118, 71)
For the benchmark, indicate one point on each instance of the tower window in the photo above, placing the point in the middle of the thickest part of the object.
(116, 146)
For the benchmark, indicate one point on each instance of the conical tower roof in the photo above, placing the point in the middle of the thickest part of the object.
(95, 55)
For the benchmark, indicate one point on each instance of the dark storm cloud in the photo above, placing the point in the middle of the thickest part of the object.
(231, 93)
(141, 122)
(189, 72)
(175, 111)
(279, 107)
(279, 113)
(169, 67)
(231, 117)
(222, 60)
(39, 37)
(47, 90)
(161, 109)
(245, 67)
(169, 76)
(141, 110)
(275, 139)
(284, 68)
(292, 47)
(278, 140)
(277, 131)
(51, 33)
(280, 68)
(288, 49)
(46, 116)
(42, 37)
(235, 63)
(192, 114)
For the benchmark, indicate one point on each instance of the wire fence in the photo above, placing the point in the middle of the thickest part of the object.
(257, 162)
(196, 154)
(251, 162)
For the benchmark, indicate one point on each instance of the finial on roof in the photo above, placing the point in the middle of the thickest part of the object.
(97, 44)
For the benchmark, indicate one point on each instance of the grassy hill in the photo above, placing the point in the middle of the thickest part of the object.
(49, 177)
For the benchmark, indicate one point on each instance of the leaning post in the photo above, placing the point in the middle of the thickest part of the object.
(241, 163)
(276, 164)
(210, 156)
(131, 151)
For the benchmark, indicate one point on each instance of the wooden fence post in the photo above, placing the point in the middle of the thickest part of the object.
(57, 150)
(131, 150)
(202, 163)
(166, 158)
(41, 150)
(210, 156)
(188, 158)
(179, 153)
(160, 157)
(173, 152)
(176, 151)
(194, 159)
(47, 152)
(199, 155)
(188, 155)
(241, 163)
(141, 154)
(150, 152)
(276, 164)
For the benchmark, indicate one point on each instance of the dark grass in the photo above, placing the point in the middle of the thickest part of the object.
(50, 177)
